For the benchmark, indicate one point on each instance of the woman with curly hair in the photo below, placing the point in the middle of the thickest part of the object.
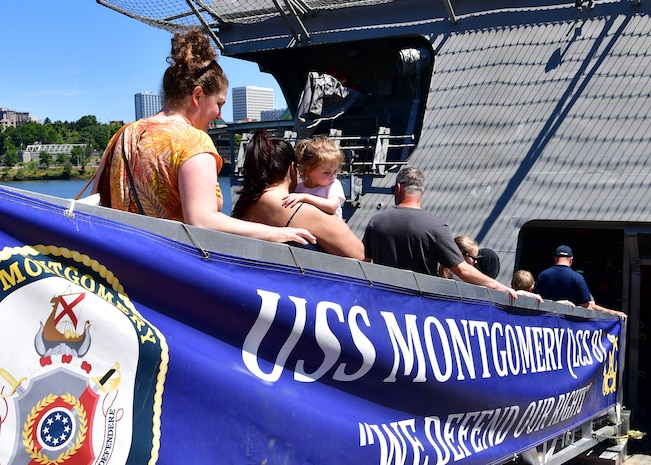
(166, 165)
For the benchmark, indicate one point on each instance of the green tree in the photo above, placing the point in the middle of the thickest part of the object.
(10, 158)
(113, 128)
(63, 130)
(28, 133)
(62, 158)
(51, 135)
(76, 155)
(11, 136)
(85, 158)
(96, 136)
(86, 130)
(44, 158)
(85, 121)
(5, 143)
(74, 137)
(67, 170)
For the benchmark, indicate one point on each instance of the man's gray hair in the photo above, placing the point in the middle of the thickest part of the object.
(412, 180)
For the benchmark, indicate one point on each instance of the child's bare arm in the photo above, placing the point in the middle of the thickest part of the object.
(328, 205)
(293, 199)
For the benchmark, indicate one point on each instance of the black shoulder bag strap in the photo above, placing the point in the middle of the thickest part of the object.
(133, 186)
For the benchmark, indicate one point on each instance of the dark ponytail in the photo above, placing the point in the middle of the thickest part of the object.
(266, 163)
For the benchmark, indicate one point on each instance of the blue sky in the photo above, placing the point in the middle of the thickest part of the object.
(67, 59)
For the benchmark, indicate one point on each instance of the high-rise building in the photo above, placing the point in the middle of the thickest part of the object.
(250, 101)
(147, 104)
(13, 118)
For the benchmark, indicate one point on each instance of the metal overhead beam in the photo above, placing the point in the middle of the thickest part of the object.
(203, 21)
(294, 15)
(450, 10)
(292, 9)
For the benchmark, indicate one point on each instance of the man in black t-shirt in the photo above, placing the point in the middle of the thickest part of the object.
(408, 237)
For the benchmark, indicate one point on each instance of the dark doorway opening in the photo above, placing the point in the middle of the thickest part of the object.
(598, 255)
(615, 259)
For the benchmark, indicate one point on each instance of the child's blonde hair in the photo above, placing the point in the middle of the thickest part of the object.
(465, 243)
(316, 151)
(522, 280)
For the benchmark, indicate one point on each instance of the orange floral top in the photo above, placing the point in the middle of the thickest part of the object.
(155, 151)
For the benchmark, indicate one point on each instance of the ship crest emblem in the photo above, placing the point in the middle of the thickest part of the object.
(67, 397)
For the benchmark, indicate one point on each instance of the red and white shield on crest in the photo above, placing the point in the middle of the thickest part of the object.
(55, 415)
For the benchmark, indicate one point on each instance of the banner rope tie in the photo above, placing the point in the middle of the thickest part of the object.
(420, 291)
(366, 276)
(70, 211)
(298, 265)
(203, 251)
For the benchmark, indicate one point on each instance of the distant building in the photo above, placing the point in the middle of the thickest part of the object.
(13, 118)
(275, 115)
(250, 101)
(147, 104)
(33, 151)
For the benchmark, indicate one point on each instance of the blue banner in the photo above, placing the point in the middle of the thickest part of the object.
(122, 346)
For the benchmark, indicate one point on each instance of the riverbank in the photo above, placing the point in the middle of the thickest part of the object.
(61, 173)
(70, 188)
(29, 173)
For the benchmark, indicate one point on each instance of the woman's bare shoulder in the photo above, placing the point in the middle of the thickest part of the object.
(332, 233)
(268, 210)
(316, 214)
(320, 222)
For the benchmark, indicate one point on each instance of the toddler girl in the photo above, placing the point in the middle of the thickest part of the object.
(319, 161)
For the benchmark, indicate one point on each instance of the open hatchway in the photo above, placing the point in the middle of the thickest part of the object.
(615, 259)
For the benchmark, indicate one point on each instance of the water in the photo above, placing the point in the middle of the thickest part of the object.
(57, 188)
(68, 189)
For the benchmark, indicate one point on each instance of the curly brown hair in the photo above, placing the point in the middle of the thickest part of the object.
(192, 63)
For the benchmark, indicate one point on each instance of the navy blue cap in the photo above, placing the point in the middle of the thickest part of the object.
(563, 251)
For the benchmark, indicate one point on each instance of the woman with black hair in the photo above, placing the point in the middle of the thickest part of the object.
(270, 174)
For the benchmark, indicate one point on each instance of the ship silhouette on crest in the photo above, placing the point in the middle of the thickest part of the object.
(61, 334)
